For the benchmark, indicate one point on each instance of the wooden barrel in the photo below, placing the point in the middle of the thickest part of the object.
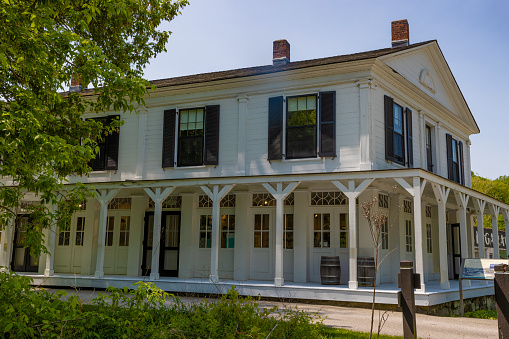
(330, 271)
(366, 271)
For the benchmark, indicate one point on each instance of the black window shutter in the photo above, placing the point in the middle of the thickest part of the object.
(327, 124)
(112, 145)
(169, 137)
(462, 164)
(211, 143)
(409, 137)
(275, 128)
(389, 127)
(450, 170)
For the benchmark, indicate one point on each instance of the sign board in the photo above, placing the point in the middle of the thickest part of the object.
(488, 238)
(480, 269)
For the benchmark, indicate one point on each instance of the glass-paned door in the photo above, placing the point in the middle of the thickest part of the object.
(22, 260)
(262, 246)
(69, 246)
(116, 249)
(169, 245)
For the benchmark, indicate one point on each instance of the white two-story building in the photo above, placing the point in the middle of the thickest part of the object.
(250, 176)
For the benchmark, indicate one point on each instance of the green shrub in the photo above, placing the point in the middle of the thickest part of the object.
(143, 312)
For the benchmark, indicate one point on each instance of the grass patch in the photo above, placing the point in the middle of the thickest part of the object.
(482, 314)
(342, 333)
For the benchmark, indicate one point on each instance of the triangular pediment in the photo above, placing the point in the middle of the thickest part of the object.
(426, 68)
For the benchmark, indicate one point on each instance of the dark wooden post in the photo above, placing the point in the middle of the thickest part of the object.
(501, 298)
(407, 281)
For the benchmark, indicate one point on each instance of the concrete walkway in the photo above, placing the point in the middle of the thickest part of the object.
(357, 319)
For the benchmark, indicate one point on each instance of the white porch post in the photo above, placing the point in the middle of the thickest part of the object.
(416, 191)
(158, 198)
(104, 197)
(352, 193)
(494, 211)
(215, 195)
(9, 242)
(462, 201)
(441, 194)
(48, 271)
(479, 210)
(279, 194)
(505, 214)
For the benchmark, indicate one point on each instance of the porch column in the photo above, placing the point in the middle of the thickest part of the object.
(158, 198)
(279, 194)
(505, 214)
(416, 191)
(48, 271)
(352, 193)
(462, 201)
(479, 211)
(104, 197)
(215, 195)
(494, 211)
(9, 242)
(441, 194)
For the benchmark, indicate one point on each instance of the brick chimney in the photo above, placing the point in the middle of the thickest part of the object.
(76, 84)
(400, 33)
(280, 52)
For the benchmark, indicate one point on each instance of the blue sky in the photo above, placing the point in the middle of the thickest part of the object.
(473, 35)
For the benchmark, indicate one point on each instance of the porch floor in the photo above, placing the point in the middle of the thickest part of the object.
(385, 293)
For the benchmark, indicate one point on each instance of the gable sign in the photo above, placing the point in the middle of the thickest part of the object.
(488, 238)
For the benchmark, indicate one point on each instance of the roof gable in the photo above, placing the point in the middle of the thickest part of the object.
(426, 68)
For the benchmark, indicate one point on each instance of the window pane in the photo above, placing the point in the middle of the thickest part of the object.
(203, 239)
(326, 239)
(289, 222)
(223, 239)
(301, 142)
(190, 151)
(231, 223)
(318, 239)
(398, 119)
(258, 222)
(318, 222)
(342, 222)
(224, 222)
(265, 239)
(257, 239)
(265, 224)
(326, 221)
(398, 146)
(343, 240)
(203, 222)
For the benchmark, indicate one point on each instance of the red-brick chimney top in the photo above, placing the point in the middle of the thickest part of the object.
(400, 33)
(280, 52)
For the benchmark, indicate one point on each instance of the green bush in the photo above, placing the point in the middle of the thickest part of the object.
(143, 312)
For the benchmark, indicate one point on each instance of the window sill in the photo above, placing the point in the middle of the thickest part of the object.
(100, 172)
(318, 159)
(186, 167)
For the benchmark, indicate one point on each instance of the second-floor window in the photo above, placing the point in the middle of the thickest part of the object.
(455, 163)
(398, 133)
(429, 149)
(191, 137)
(308, 131)
(107, 157)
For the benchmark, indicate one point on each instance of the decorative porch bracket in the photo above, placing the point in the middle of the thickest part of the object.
(352, 193)
(215, 195)
(441, 194)
(158, 198)
(462, 201)
(104, 197)
(479, 211)
(49, 271)
(495, 211)
(416, 190)
(279, 194)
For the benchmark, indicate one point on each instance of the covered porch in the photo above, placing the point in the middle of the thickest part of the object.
(267, 234)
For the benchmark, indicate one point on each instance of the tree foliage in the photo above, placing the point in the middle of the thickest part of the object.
(104, 44)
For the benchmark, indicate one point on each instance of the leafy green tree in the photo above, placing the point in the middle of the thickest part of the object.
(103, 44)
(498, 189)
